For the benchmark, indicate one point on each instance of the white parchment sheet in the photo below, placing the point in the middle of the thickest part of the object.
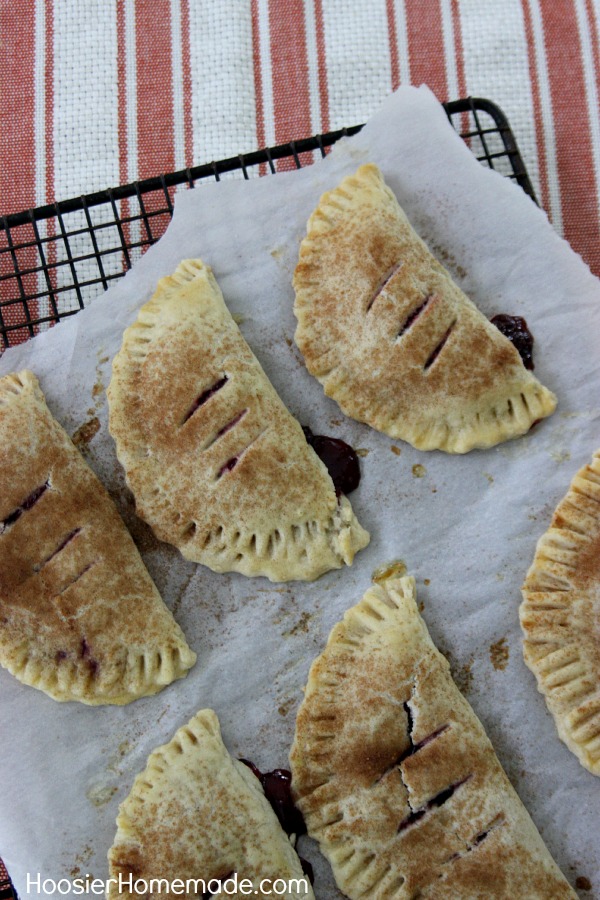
(466, 527)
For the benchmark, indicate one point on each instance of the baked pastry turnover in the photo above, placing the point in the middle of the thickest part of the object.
(196, 813)
(81, 618)
(393, 340)
(560, 616)
(216, 463)
(395, 775)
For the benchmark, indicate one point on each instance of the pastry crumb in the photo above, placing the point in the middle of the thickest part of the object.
(86, 432)
(285, 707)
(301, 626)
(362, 451)
(99, 796)
(464, 677)
(499, 654)
(583, 884)
(395, 569)
(396, 450)
(560, 456)
(418, 470)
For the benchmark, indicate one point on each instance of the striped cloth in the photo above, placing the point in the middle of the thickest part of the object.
(109, 91)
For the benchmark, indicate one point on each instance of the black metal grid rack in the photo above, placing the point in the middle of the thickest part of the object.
(54, 259)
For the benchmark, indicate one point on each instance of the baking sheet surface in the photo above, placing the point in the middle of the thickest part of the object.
(466, 527)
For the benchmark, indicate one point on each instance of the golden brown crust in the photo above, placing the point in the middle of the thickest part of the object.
(393, 340)
(197, 813)
(216, 463)
(395, 775)
(80, 616)
(560, 616)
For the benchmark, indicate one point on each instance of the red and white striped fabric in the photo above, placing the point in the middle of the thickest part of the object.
(100, 93)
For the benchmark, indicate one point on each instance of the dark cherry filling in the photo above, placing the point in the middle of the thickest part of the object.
(480, 837)
(411, 819)
(34, 497)
(415, 314)
(206, 395)
(277, 787)
(65, 541)
(438, 349)
(230, 424)
(340, 459)
(434, 803)
(516, 330)
(228, 466)
(86, 654)
(414, 748)
(26, 505)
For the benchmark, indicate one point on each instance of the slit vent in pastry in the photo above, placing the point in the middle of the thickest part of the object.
(395, 775)
(560, 616)
(197, 813)
(217, 465)
(393, 339)
(81, 619)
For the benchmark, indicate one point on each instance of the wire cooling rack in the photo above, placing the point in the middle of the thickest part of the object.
(54, 259)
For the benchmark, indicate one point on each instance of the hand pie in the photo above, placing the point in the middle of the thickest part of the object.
(216, 463)
(393, 340)
(560, 616)
(395, 775)
(81, 617)
(197, 814)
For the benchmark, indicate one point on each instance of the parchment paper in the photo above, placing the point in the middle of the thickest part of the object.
(466, 527)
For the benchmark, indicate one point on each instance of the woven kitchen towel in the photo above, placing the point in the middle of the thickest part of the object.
(100, 93)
